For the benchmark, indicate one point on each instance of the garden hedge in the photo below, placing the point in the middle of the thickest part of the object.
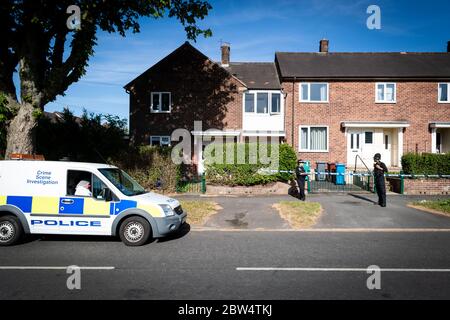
(426, 163)
(245, 173)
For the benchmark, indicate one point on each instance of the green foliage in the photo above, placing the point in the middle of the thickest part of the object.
(5, 115)
(57, 57)
(253, 170)
(151, 166)
(91, 138)
(426, 163)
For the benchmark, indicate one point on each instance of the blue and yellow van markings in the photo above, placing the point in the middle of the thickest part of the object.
(96, 207)
(23, 203)
(75, 206)
(45, 205)
(122, 206)
(71, 205)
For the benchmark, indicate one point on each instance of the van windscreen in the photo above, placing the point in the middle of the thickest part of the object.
(122, 181)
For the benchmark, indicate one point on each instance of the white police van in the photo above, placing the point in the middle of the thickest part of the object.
(39, 197)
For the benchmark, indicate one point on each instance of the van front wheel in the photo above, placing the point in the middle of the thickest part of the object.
(135, 231)
(10, 230)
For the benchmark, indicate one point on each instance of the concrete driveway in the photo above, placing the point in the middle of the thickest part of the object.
(361, 211)
(341, 210)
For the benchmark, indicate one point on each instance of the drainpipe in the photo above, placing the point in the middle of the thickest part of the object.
(293, 114)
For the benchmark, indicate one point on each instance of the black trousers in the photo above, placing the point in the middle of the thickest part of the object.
(301, 189)
(381, 190)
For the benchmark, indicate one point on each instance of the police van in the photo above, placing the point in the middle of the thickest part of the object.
(73, 198)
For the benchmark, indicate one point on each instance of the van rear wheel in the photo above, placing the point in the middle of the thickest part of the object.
(10, 230)
(135, 231)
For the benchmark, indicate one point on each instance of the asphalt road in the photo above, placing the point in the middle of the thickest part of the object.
(203, 265)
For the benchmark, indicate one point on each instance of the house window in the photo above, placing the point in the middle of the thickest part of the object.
(249, 102)
(161, 101)
(161, 141)
(444, 96)
(368, 137)
(313, 139)
(314, 92)
(386, 93)
(262, 102)
(276, 101)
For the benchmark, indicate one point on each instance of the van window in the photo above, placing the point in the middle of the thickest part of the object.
(74, 178)
(122, 181)
(96, 186)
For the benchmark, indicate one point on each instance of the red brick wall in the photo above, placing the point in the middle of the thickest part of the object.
(427, 186)
(200, 91)
(355, 101)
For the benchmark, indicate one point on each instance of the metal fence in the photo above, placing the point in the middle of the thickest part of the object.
(194, 185)
(339, 182)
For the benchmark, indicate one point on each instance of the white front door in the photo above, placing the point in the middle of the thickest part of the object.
(354, 147)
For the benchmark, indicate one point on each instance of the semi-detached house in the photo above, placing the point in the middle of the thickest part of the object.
(329, 106)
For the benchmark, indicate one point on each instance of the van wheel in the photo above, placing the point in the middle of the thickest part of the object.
(135, 231)
(10, 230)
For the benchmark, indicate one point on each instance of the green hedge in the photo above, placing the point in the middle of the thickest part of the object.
(246, 174)
(426, 163)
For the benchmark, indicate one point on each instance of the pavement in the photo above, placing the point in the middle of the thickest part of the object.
(206, 265)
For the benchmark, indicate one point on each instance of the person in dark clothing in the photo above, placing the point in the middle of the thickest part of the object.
(301, 175)
(379, 169)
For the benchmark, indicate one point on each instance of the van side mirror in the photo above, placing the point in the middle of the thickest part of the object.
(108, 195)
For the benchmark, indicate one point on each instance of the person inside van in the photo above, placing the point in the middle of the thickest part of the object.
(83, 189)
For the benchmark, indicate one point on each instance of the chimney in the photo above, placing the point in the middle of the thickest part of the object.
(448, 46)
(225, 54)
(324, 45)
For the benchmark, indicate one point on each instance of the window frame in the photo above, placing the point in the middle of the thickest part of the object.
(300, 127)
(448, 92)
(373, 138)
(160, 141)
(160, 93)
(300, 95)
(269, 102)
(385, 85)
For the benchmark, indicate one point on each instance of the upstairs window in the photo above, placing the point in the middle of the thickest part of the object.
(276, 103)
(386, 93)
(249, 102)
(314, 92)
(444, 96)
(262, 102)
(161, 141)
(161, 102)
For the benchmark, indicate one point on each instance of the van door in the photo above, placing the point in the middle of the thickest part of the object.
(85, 211)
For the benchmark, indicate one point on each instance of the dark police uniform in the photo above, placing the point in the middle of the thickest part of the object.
(380, 183)
(301, 176)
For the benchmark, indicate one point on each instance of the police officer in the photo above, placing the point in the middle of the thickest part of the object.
(379, 169)
(301, 177)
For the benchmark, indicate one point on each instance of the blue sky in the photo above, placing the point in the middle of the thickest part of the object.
(256, 30)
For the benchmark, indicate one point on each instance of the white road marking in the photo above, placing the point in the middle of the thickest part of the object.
(339, 269)
(51, 268)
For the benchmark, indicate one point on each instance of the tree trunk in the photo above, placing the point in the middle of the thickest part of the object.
(21, 131)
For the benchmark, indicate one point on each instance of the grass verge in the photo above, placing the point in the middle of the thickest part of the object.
(299, 214)
(433, 206)
(199, 211)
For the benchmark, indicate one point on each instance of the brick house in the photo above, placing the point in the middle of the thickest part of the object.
(329, 106)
